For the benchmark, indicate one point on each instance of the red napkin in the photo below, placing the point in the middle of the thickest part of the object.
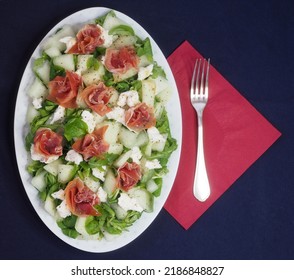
(235, 136)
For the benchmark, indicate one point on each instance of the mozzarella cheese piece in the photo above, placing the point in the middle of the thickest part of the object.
(136, 155)
(37, 103)
(117, 114)
(89, 119)
(63, 210)
(98, 173)
(58, 115)
(102, 194)
(128, 203)
(40, 157)
(154, 135)
(58, 195)
(153, 164)
(68, 41)
(73, 156)
(145, 72)
(130, 98)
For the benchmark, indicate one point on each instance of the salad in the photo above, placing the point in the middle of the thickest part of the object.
(98, 132)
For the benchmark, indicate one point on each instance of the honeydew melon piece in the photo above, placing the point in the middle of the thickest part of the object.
(127, 138)
(80, 227)
(39, 181)
(158, 109)
(82, 62)
(144, 198)
(164, 95)
(65, 173)
(109, 185)
(159, 146)
(112, 131)
(143, 61)
(53, 167)
(65, 61)
(123, 158)
(37, 89)
(43, 72)
(120, 213)
(123, 41)
(111, 21)
(148, 92)
(151, 186)
(54, 40)
(115, 148)
(142, 139)
(92, 184)
(93, 76)
(50, 206)
(52, 51)
(161, 83)
(118, 77)
(31, 113)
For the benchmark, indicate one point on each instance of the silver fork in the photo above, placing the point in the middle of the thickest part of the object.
(199, 98)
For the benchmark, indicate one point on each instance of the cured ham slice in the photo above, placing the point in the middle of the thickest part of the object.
(47, 145)
(129, 175)
(92, 144)
(64, 90)
(97, 97)
(88, 39)
(120, 61)
(80, 199)
(140, 117)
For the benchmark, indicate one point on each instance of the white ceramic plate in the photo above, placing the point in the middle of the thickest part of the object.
(20, 128)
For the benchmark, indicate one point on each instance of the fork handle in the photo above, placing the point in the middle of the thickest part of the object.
(201, 188)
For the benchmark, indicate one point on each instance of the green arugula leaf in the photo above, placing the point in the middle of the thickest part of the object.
(75, 128)
(145, 48)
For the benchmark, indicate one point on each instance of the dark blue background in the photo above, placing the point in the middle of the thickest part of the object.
(251, 43)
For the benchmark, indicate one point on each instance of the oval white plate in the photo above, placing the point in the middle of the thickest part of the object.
(20, 128)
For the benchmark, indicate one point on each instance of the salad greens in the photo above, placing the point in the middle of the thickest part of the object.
(149, 148)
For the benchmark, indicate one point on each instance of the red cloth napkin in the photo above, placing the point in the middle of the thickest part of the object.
(235, 136)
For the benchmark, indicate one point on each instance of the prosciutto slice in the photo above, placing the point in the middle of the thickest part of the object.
(80, 199)
(128, 176)
(97, 97)
(92, 144)
(121, 60)
(140, 117)
(88, 39)
(64, 90)
(47, 143)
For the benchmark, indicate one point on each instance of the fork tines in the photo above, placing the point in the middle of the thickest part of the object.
(199, 90)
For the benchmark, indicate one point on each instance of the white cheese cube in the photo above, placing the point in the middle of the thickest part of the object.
(37, 102)
(154, 135)
(73, 156)
(102, 194)
(99, 174)
(58, 115)
(130, 98)
(117, 114)
(128, 203)
(136, 154)
(89, 119)
(63, 210)
(153, 164)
